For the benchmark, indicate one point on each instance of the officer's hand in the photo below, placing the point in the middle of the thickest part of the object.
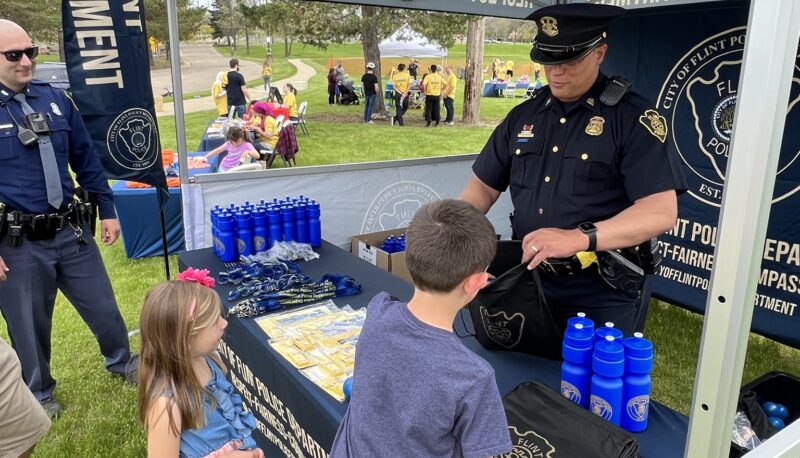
(109, 231)
(549, 242)
(3, 270)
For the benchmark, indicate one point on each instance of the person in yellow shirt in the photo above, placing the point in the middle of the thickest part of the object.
(450, 94)
(433, 84)
(219, 95)
(290, 100)
(509, 69)
(266, 72)
(401, 81)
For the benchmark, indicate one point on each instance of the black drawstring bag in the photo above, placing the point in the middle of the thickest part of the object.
(511, 313)
(544, 423)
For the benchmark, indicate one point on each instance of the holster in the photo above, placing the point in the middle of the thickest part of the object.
(620, 273)
(86, 209)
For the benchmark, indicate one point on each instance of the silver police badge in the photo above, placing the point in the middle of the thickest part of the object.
(54, 108)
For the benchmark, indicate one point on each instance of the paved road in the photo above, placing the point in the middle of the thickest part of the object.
(201, 62)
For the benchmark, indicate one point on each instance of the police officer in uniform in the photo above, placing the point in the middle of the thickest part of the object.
(46, 241)
(587, 167)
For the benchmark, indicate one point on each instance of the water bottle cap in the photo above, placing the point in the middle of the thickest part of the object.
(581, 314)
(608, 359)
(609, 324)
(638, 334)
(578, 326)
(610, 338)
(638, 347)
(605, 332)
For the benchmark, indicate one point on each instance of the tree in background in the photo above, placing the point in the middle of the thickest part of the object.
(225, 17)
(189, 20)
(40, 18)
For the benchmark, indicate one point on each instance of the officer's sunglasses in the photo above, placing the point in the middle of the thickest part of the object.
(15, 55)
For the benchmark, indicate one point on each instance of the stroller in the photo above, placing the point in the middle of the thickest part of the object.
(347, 96)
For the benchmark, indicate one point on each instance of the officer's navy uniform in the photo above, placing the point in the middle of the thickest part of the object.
(69, 261)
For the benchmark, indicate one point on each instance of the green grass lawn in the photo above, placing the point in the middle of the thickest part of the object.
(100, 411)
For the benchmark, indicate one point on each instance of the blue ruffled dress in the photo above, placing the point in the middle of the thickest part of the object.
(227, 422)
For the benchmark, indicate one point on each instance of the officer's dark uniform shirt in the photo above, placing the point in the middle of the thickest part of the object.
(22, 185)
(584, 161)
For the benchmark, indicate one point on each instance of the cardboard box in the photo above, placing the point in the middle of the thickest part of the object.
(368, 248)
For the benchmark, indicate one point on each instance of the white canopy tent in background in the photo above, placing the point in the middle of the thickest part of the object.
(405, 42)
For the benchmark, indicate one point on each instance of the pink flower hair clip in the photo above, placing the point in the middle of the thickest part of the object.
(200, 276)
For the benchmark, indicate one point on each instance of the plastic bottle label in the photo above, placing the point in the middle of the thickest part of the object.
(260, 243)
(637, 407)
(571, 392)
(601, 407)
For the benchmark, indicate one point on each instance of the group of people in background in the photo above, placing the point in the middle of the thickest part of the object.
(231, 95)
(436, 88)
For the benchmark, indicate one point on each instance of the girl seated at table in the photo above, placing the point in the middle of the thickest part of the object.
(290, 100)
(186, 404)
(264, 126)
(237, 147)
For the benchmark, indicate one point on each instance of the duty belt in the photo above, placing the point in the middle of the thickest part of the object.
(14, 224)
(557, 267)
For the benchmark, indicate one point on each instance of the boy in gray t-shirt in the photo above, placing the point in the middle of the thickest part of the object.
(417, 390)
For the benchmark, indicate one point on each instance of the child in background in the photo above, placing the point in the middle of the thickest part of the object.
(237, 147)
(186, 404)
(290, 100)
(417, 390)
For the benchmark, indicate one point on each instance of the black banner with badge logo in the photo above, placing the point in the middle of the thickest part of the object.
(107, 58)
(691, 73)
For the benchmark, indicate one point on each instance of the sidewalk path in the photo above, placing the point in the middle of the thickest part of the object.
(300, 81)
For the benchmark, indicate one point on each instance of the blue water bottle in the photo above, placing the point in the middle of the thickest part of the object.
(289, 227)
(314, 224)
(389, 244)
(301, 221)
(274, 226)
(226, 234)
(608, 330)
(401, 243)
(576, 370)
(260, 230)
(581, 319)
(636, 383)
(608, 364)
(244, 233)
(214, 214)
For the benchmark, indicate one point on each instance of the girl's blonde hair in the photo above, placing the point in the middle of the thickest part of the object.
(173, 313)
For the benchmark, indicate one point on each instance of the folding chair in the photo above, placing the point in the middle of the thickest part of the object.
(272, 153)
(510, 91)
(301, 117)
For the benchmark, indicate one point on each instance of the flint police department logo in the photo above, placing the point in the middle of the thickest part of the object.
(571, 392)
(528, 444)
(600, 407)
(549, 26)
(396, 204)
(698, 100)
(132, 139)
(637, 407)
(503, 329)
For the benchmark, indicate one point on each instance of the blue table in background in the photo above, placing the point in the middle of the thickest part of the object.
(493, 89)
(208, 143)
(137, 211)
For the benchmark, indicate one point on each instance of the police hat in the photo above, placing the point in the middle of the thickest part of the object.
(567, 32)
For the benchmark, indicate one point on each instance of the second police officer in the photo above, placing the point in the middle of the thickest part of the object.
(586, 164)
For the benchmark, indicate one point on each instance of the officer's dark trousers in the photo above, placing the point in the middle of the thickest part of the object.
(587, 292)
(400, 108)
(37, 270)
(433, 108)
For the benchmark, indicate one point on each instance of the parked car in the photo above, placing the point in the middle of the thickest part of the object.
(54, 73)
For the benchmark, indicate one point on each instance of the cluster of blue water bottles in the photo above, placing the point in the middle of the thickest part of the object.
(253, 228)
(394, 244)
(607, 374)
(776, 414)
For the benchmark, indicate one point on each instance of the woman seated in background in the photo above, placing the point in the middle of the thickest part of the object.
(237, 147)
(263, 125)
(219, 95)
(290, 100)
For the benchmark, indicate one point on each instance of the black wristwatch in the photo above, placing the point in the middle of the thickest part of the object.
(590, 230)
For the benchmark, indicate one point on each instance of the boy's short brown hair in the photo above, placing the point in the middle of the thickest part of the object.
(446, 242)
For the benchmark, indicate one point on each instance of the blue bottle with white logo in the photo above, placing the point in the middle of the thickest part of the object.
(388, 244)
(314, 224)
(244, 233)
(608, 330)
(608, 364)
(301, 221)
(289, 227)
(214, 214)
(636, 383)
(226, 248)
(274, 226)
(260, 230)
(576, 370)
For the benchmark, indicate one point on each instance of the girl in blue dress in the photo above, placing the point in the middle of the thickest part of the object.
(186, 404)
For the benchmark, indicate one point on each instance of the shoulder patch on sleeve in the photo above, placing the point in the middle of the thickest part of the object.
(655, 124)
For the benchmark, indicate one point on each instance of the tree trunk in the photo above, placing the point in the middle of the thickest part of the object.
(474, 72)
(369, 42)
(247, 39)
(286, 49)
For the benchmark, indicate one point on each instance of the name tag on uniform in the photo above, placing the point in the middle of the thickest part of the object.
(527, 131)
(6, 126)
(523, 140)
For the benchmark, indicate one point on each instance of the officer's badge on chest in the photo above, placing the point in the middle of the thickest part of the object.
(595, 126)
(525, 133)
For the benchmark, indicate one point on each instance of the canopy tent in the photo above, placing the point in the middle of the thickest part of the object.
(405, 42)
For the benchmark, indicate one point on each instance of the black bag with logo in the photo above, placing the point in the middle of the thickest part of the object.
(511, 313)
(544, 423)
